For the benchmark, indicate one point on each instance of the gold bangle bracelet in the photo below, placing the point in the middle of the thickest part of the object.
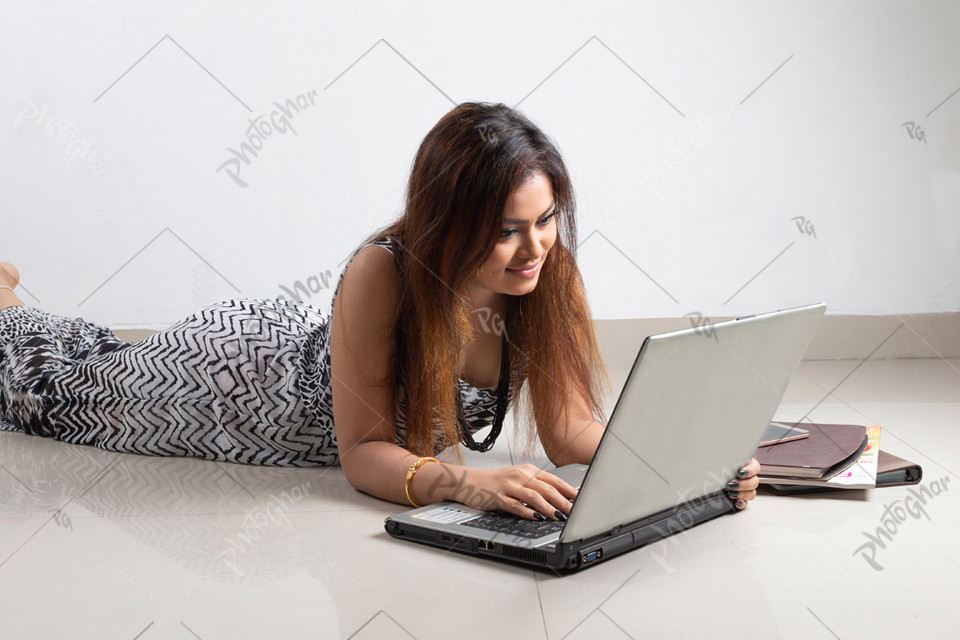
(411, 472)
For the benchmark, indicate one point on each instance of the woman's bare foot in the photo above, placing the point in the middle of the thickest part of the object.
(9, 276)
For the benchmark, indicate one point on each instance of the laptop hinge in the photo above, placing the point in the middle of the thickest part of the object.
(660, 515)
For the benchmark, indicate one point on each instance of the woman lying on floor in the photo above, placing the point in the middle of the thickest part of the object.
(443, 316)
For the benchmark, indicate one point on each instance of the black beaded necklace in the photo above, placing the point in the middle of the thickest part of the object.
(503, 388)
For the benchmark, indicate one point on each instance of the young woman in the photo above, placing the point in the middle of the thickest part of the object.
(437, 323)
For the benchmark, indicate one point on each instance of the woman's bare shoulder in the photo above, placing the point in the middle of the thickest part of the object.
(370, 281)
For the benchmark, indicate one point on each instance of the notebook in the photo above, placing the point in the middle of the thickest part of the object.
(826, 450)
(892, 471)
(694, 407)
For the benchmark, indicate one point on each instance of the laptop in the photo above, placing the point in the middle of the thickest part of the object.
(691, 413)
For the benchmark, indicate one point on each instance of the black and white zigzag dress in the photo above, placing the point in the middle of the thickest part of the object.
(244, 380)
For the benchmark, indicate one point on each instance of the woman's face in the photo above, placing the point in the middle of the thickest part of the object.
(528, 233)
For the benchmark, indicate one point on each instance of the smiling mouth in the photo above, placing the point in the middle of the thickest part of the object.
(526, 272)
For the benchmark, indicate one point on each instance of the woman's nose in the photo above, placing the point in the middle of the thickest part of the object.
(535, 241)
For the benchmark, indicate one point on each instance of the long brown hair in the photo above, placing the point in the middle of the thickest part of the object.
(464, 171)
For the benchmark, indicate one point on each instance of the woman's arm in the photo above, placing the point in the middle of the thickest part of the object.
(583, 433)
(583, 438)
(361, 362)
(380, 469)
(361, 365)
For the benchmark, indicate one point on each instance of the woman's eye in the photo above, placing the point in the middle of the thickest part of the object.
(507, 233)
(547, 219)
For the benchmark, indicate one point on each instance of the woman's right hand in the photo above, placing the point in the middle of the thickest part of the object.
(521, 490)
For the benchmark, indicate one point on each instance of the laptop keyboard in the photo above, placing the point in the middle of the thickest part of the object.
(513, 525)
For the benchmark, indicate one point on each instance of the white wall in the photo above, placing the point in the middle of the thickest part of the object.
(696, 132)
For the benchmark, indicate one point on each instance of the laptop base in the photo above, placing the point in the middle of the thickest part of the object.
(572, 556)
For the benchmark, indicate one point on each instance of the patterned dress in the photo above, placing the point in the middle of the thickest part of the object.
(244, 380)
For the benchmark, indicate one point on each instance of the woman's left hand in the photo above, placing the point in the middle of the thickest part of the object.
(744, 487)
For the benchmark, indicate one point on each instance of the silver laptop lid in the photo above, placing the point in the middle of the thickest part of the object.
(691, 413)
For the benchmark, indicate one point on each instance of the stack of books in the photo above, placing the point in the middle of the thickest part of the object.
(829, 456)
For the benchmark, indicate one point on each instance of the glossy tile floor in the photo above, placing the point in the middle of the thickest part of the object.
(99, 545)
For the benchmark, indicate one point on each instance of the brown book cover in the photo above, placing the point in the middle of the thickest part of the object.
(826, 450)
(893, 471)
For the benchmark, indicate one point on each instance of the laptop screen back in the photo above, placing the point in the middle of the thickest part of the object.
(693, 408)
